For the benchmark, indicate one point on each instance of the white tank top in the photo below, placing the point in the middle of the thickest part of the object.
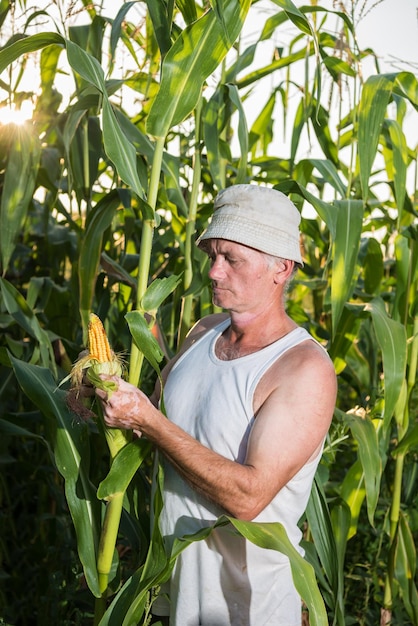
(226, 580)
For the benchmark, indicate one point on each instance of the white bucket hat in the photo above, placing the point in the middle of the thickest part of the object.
(258, 217)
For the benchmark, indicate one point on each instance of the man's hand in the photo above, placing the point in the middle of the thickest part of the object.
(124, 407)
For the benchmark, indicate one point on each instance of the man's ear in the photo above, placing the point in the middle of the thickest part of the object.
(284, 271)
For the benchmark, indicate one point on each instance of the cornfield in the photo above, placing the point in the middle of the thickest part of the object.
(102, 193)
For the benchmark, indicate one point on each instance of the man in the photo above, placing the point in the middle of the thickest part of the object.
(249, 400)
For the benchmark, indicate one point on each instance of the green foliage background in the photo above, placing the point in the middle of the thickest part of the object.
(100, 204)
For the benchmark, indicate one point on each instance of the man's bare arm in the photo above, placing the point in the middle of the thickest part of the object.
(288, 432)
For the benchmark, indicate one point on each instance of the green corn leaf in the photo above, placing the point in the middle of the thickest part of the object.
(286, 61)
(114, 270)
(345, 247)
(124, 466)
(130, 602)
(18, 187)
(406, 85)
(72, 122)
(188, 10)
(270, 536)
(196, 53)
(242, 134)
(117, 26)
(5, 7)
(337, 66)
(95, 40)
(408, 443)
(278, 19)
(48, 66)
(341, 520)
(320, 122)
(213, 123)
(374, 100)
(72, 457)
(119, 150)
(399, 163)
(330, 174)
(162, 28)
(27, 45)
(169, 165)
(270, 25)
(261, 132)
(405, 268)
(86, 65)
(79, 34)
(273, 536)
(391, 337)
(405, 567)
(371, 260)
(311, 556)
(353, 492)
(297, 17)
(14, 430)
(298, 124)
(91, 248)
(144, 339)
(238, 65)
(128, 606)
(364, 433)
(347, 329)
(325, 210)
(23, 315)
(158, 291)
(319, 520)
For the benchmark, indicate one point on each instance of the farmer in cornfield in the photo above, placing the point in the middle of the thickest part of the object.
(249, 400)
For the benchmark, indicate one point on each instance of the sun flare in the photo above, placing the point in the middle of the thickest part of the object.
(11, 115)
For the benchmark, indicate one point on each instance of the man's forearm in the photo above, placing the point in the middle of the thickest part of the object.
(227, 483)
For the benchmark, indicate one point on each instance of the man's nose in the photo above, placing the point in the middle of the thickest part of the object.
(215, 270)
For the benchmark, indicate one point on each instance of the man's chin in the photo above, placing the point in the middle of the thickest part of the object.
(219, 302)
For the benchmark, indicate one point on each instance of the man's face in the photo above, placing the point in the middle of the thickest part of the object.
(242, 280)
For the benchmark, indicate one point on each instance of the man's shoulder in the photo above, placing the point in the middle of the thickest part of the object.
(303, 361)
(207, 323)
(304, 371)
(307, 355)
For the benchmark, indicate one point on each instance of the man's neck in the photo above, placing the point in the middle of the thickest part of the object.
(249, 333)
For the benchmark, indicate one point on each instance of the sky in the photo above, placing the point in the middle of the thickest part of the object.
(391, 28)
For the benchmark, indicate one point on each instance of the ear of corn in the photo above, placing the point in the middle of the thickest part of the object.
(98, 342)
(100, 358)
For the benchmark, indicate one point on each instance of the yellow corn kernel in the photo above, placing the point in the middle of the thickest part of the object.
(98, 343)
